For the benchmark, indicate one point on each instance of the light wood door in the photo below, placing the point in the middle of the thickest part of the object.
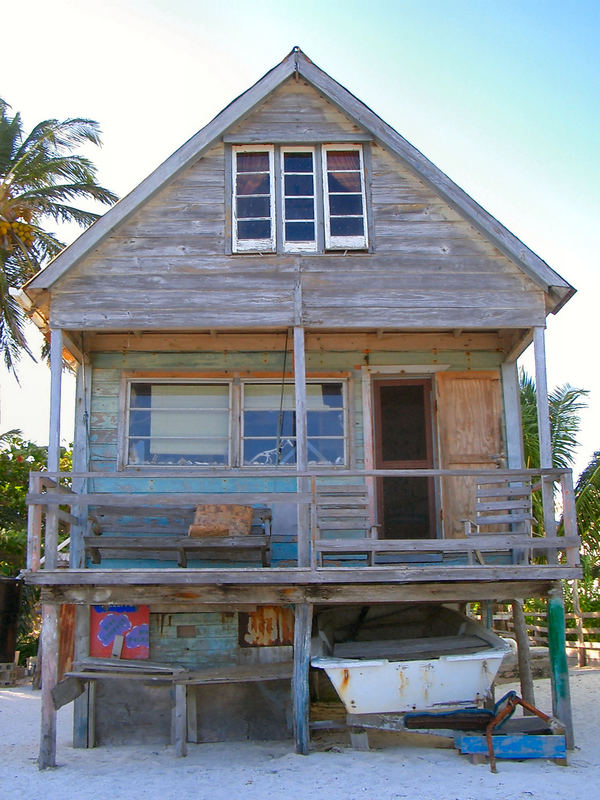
(469, 413)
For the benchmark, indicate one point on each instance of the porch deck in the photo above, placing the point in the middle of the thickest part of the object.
(360, 566)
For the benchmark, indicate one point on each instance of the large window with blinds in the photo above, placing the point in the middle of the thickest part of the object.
(191, 423)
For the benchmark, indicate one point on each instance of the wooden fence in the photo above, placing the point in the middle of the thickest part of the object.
(582, 631)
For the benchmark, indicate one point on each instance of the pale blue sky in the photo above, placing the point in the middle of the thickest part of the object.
(503, 95)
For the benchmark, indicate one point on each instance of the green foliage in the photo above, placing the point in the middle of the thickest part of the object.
(40, 179)
(17, 458)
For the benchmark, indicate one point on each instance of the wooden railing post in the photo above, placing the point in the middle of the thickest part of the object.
(569, 515)
(34, 527)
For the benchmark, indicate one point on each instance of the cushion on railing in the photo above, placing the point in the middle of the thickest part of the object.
(221, 520)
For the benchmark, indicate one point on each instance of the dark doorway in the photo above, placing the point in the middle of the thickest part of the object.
(403, 440)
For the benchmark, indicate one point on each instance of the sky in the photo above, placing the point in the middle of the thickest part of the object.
(502, 95)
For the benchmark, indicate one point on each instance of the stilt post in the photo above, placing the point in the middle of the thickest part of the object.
(47, 755)
(300, 688)
(559, 671)
(523, 653)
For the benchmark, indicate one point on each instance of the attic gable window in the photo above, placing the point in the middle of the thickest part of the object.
(298, 199)
(298, 190)
(253, 199)
(344, 190)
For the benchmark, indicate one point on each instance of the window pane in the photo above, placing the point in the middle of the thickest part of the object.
(341, 204)
(299, 185)
(252, 162)
(343, 159)
(299, 208)
(268, 395)
(266, 423)
(181, 395)
(347, 226)
(298, 162)
(264, 452)
(299, 231)
(179, 451)
(324, 395)
(326, 451)
(255, 229)
(344, 181)
(253, 207)
(325, 423)
(252, 184)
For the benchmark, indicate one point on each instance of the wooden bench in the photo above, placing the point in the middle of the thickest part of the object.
(122, 532)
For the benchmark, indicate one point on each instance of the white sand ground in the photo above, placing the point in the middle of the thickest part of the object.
(266, 770)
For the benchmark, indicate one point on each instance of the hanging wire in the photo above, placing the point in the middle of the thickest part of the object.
(280, 418)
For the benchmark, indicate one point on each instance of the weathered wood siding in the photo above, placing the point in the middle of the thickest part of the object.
(169, 267)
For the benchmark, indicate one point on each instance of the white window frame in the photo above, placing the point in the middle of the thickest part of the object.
(130, 382)
(235, 450)
(291, 246)
(344, 242)
(289, 382)
(253, 245)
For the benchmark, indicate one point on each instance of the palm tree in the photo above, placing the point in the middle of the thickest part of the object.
(587, 504)
(40, 178)
(565, 404)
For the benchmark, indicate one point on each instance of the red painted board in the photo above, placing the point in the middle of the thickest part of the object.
(130, 622)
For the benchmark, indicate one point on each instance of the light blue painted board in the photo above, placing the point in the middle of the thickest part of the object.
(519, 745)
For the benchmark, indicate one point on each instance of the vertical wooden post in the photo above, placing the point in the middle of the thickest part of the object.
(81, 704)
(523, 653)
(80, 463)
(559, 671)
(300, 689)
(512, 415)
(51, 538)
(34, 528)
(543, 417)
(47, 756)
(581, 651)
(301, 432)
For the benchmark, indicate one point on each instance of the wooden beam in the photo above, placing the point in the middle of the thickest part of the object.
(523, 653)
(303, 514)
(81, 706)
(559, 670)
(303, 614)
(512, 415)
(51, 536)
(190, 596)
(545, 440)
(47, 755)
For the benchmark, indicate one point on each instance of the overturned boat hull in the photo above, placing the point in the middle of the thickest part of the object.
(457, 670)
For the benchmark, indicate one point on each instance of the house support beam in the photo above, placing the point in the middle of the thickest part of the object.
(559, 671)
(543, 418)
(301, 432)
(51, 534)
(47, 755)
(303, 614)
(512, 415)
(523, 653)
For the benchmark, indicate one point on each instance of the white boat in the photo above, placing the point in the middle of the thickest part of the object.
(450, 662)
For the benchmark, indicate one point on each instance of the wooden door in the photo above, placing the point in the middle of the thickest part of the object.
(403, 440)
(469, 414)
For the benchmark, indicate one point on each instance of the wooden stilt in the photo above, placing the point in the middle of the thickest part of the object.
(81, 703)
(559, 671)
(300, 688)
(523, 653)
(47, 755)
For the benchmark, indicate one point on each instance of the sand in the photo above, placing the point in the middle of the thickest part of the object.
(394, 768)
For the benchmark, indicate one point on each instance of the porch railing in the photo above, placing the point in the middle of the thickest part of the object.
(53, 502)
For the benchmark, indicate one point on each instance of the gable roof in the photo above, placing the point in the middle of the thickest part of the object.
(296, 62)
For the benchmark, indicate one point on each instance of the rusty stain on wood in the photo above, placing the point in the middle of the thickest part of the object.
(267, 626)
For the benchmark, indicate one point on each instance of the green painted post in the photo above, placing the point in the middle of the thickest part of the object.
(559, 670)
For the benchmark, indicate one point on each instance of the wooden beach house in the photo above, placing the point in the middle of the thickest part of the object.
(295, 345)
